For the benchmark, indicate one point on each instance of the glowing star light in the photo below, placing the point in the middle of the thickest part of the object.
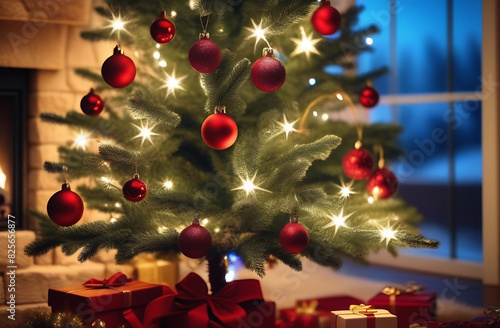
(168, 184)
(338, 220)
(345, 189)
(387, 234)
(305, 45)
(288, 127)
(249, 187)
(117, 24)
(81, 140)
(173, 83)
(145, 133)
(258, 33)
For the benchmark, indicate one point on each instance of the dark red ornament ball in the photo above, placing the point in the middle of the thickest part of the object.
(65, 207)
(358, 164)
(134, 190)
(92, 104)
(219, 131)
(368, 97)
(326, 19)
(294, 238)
(382, 183)
(204, 56)
(118, 70)
(195, 241)
(268, 74)
(162, 29)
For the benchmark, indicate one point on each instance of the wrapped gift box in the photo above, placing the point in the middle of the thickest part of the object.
(152, 270)
(109, 303)
(376, 318)
(410, 307)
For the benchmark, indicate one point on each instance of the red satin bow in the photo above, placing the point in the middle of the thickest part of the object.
(192, 305)
(118, 279)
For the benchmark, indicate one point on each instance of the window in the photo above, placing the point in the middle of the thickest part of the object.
(433, 51)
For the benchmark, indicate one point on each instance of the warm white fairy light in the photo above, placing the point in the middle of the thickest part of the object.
(346, 189)
(108, 183)
(173, 13)
(162, 229)
(204, 221)
(315, 113)
(371, 200)
(258, 33)
(324, 117)
(173, 83)
(158, 45)
(306, 45)
(162, 63)
(118, 205)
(145, 132)
(288, 126)
(217, 230)
(168, 184)
(339, 96)
(156, 54)
(369, 41)
(113, 220)
(81, 140)
(117, 23)
(249, 187)
(338, 220)
(387, 234)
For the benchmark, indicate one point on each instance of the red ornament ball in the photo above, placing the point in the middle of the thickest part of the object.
(162, 29)
(268, 73)
(382, 183)
(118, 70)
(219, 131)
(65, 207)
(195, 241)
(92, 104)
(204, 56)
(368, 97)
(134, 190)
(358, 164)
(326, 20)
(294, 238)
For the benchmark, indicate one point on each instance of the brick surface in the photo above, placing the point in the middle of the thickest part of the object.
(23, 237)
(51, 102)
(46, 133)
(38, 154)
(2, 290)
(45, 259)
(49, 80)
(41, 180)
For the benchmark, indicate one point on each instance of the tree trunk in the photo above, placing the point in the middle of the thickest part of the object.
(216, 271)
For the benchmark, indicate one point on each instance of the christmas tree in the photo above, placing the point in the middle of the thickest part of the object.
(269, 174)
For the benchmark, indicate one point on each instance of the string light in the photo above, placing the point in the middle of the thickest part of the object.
(312, 81)
(113, 220)
(162, 229)
(338, 220)
(387, 234)
(315, 113)
(339, 96)
(168, 184)
(173, 13)
(118, 205)
(369, 41)
(306, 45)
(81, 140)
(258, 33)
(287, 126)
(371, 200)
(173, 83)
(158, 46)
(249, 187)
(324, 117)
(217, 230)
(145, 133)
(117, 24)
(156, 54)
(162, 63)
(108, 183)
(204, 221)
(345, 189)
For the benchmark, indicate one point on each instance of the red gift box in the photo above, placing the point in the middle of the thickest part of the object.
(314, 313)
(109, 300)
(410, 305)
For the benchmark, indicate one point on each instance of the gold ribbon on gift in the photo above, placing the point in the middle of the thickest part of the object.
(362, 309)
(393, 291)
(308, 308)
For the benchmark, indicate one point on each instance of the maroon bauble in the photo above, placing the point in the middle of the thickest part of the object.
(204, 56)
(268, 73)
(326, 20)
(368, 97)
(382, 183)
(118, 70)
(219, 131)
(92, 104)
(294, 238)
(358, 164)
(134, 190)
(195, 241)
(162, 30)
(65, 207)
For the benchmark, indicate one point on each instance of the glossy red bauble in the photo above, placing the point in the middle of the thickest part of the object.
(368, 97)
(268, 74)
(162, 30)
(382, 183)
(134, 190)
(195, 241)
(92, 104)
(65, 207)
(204, 56)
(118, 70)
(219, 131)
(294, 238)
(358, 164)
(326, 20)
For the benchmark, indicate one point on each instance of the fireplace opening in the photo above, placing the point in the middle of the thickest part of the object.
(14, 84)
